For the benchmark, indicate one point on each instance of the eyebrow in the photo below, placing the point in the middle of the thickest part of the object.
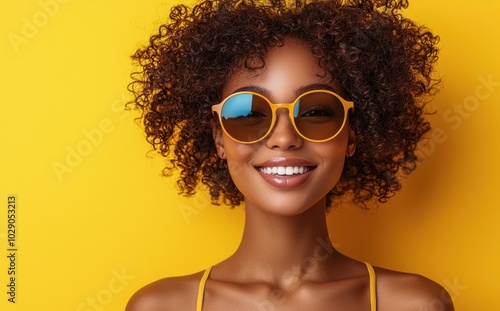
(254, 89)
(315, 86)
(298, 91)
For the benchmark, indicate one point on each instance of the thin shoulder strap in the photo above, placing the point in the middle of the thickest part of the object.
(373, 287)
(201, 289)
(371, 272)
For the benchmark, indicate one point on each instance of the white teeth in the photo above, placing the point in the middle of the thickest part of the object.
(285, 170)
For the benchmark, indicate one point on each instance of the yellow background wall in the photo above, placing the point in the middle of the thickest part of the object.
(95, 221)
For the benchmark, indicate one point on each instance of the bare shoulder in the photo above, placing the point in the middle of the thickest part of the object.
(169, 294)
(412, 292)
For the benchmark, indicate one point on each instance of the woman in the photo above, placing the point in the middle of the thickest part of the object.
(290, 108)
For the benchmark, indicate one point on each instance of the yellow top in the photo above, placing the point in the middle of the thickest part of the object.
(373, 287)
(201, 289)
(371, 273)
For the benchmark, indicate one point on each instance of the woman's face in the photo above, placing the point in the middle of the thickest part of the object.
(288, 69)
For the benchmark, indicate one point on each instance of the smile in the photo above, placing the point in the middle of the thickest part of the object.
(285, 170)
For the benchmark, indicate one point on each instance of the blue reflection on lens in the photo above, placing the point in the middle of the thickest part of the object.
(237, 106)
(296, 109)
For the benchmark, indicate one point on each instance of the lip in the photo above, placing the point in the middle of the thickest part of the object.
(286, 181)
(282, 161)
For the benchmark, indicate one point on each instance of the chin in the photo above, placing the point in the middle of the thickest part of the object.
(288, 206)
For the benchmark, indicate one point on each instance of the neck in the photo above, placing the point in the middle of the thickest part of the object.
(276, 245)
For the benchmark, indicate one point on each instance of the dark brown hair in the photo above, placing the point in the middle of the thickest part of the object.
(382, 60)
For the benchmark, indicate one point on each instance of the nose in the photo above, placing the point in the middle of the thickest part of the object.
(284, 136)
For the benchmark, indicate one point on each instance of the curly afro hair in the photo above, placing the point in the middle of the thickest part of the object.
(383, 61)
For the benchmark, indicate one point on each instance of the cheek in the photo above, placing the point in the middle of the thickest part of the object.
(336, 147)
(333, 159)
(238, 157)
(333, 155)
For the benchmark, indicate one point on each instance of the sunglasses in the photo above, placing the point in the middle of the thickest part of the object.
(249, 117)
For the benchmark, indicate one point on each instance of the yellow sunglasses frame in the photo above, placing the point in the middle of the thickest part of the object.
(348, 105)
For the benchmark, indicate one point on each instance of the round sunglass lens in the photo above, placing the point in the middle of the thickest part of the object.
(246, 117)
(319, 115)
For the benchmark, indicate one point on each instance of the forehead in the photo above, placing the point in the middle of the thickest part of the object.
(286, 69)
